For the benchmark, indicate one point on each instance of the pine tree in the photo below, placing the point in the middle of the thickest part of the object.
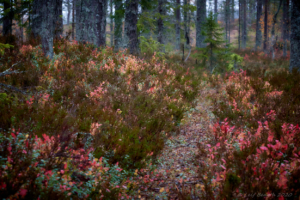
(214, 35)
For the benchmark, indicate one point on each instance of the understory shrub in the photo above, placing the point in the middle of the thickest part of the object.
(123, 106)
(254, 148)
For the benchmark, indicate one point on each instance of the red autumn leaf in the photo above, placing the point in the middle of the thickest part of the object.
(282, 181)
(23, 192)
(14, 136)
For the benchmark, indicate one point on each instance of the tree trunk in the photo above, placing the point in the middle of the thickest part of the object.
(73, 19)
(119, 14)
(131, 17)
(216, 9)
(47, 8)
(244, 37)
(111, 24)
(100, 20)
(160, 22)
(240, 9)
(91, 21)
(227, 21)
(177, 26)
(232, 11)
(7, 26)
(266, 26)
(69, 11)
(36, 18)
(57, 18)
(295, 36)
(285, 26)
(186, 23)
(258, 38)
(201, 16)
(273, 31)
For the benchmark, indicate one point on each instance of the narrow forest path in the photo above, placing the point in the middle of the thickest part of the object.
(177, 161)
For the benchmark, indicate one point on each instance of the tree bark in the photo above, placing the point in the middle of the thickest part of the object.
(111, 24)
(68, 11)
(160, 22)
(232, 11)
(73, 19)
(131, 17)
(91, 21)
(7, 25)
(119, 15)
(240, 9)
(100, 20)
(273, 30)
(201, 16)
(285, 26)
(244, 37)
(216, 9)
(295, 36)
(47, 11)
(266, 26)
(258, 38)
(57, 18)
(36, 18)
(177, 26)
(186, 22)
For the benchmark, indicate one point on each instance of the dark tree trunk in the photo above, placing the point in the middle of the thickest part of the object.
(201, 16)
(285, 26)
(295, 36)
(258, 25)
(101, 22)
(119, 14)
(273, 30)
(47, 8)
(227, 21)
(7, 25)
(73, 19)
(111, 24)
(232, 11)
(240, 9)
(91, 21)
(186, 22)
(36, 18)
(177, 26)
(244, 37)
(160, 22)
(266, 26)
(69, 11)
(216, 9)
(131, 17)
(58, 20)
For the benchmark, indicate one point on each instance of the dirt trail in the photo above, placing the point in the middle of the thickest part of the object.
(176, 160)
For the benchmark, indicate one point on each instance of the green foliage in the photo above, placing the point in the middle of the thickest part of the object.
(234, 60)
(150, 46)
(214, 38)
(3, 47)
(217, 56)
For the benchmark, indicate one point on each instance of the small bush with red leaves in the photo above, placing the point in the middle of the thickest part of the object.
(120, 105)
(254, 149)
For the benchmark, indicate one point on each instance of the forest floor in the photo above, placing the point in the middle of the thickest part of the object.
(177, 161)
